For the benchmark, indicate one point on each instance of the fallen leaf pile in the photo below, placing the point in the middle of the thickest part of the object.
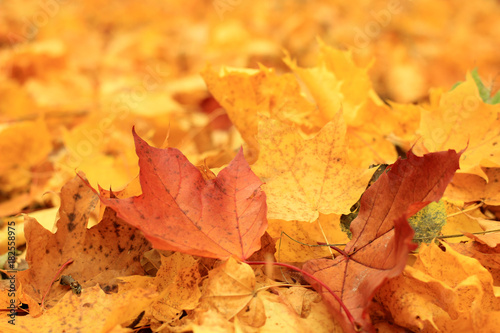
(268, 166)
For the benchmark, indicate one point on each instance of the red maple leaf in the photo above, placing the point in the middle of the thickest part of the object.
(382, 236)
(181, 211)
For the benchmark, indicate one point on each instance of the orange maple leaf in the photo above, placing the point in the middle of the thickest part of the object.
(381, 234)
(181, 211)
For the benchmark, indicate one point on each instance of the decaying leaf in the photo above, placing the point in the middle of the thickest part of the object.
(428, 222)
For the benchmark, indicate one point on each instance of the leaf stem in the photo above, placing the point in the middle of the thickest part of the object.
(276, 285)
(462, 235)
(473, 207)
(342, 252)
(312, 277)
(311, 245)
(326, 240)
(334, 246)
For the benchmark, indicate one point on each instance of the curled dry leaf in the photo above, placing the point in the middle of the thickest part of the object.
(469, 187)
(444, 291)
(488, 256)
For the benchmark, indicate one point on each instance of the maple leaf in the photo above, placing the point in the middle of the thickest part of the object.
(443, 291)
(109, 158)
(484, 92)
(338, 83)
(491, 239)
(229, 288)
(326, 228)
(247, 94)
(488, 256)
(232, 290)
(92, 311)
(336, 72)
(457, 119)
(281, 316)
(177, 282)
(181, 211)
(110, 249)
(307, 176)
(469, 187)
(381, 233)
(20, 153)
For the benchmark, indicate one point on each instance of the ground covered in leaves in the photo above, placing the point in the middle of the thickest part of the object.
(263, 166)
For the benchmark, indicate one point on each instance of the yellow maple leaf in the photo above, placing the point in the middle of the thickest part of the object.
(92, 311)
(458, 119)
(307, 176)
(247, 94)
(326, 229)
(23, 145)
(177, 281)
(102, 151)
(229, 288)
(337, 83)
(282, 316)
(470, 187)
(16, 102)
(458, 222)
